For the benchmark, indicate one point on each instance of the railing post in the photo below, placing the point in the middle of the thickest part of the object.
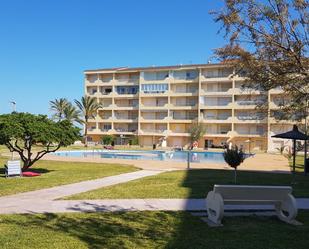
(188, 160)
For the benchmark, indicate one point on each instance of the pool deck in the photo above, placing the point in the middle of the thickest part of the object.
(259, 162)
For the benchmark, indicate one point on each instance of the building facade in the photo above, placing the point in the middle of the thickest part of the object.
(159, 104)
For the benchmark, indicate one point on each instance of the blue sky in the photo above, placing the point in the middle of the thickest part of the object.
(46, 45)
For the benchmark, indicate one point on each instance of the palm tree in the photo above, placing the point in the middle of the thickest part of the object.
(72, 114)
(88, 107)
(58, 106)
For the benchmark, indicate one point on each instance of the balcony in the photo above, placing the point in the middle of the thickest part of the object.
(185, 76)
(250, 119)
(218, 133)
(250, 130)
(251, 133)
(105, 91)
(274, 120)
(154, 89)
(126, 105)
(105, 106)
(156, 77)
(154, 107)
(217, 92)
(247, 91)
(104, 117)
(123, 118)
(248, 104)
(162, 119)
(189, 92)
(91, 79)
(162, 132)
(185, 106)
(127, 81)
(222, 105)
(92, 93)
(126, 91)
(106, 130)
(216, 75)
(105, 81)
(217, 119)
(183, 119)
(123, 130)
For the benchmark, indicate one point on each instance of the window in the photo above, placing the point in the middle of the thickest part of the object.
(127, 90)
(154, 88)
(107, 127)
(190, 75)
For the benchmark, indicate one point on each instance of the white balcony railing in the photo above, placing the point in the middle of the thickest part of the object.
(217, 117)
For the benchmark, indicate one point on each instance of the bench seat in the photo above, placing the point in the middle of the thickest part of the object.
(278, 196)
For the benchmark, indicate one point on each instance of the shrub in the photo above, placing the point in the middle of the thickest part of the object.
(134, 141)
(107, 139)
(234, 157)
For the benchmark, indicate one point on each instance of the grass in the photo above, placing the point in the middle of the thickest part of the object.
(299, 164)
(148, 230)
(56, 173)
(192, 184)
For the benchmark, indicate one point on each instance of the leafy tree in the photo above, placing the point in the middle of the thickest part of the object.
(20, 132)
(196, 132)
(268, 40)
(234, 157)
(58, 106)
(72, 114)
(134, 141)
(107, 139)
(88, 107)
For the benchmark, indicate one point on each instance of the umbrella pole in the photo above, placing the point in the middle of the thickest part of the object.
(306, 128)
(294, 154)
(305, 158)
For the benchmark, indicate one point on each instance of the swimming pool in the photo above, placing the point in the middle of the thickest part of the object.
(172, 156)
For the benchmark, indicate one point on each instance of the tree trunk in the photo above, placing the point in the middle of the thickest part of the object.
(27, 164)
(235, 174)
(85, 133)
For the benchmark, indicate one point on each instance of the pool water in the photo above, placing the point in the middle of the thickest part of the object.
(172, 156)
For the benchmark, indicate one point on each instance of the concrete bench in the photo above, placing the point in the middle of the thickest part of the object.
(13, 168)
(279, 196)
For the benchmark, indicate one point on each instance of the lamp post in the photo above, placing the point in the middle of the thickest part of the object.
(306, 132)
(14, 110)
(13, 105)
(121, 136)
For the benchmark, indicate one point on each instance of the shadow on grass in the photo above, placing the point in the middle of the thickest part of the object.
(257, 232)
(39, 170)
(36, 170)
(109, 230)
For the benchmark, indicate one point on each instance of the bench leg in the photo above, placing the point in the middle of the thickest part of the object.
(287, 210)
(215, 207)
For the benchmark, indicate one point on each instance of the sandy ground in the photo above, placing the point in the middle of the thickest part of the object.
(259, 162)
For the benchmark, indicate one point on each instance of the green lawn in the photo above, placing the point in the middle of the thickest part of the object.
(148, 230)
(192, 184)
(57, 173)
(299, 164)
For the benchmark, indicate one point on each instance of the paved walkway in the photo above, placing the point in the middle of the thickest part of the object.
(62, 206)
(44, 200)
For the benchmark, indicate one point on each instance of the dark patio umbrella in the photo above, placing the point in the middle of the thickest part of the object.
(294, 134)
